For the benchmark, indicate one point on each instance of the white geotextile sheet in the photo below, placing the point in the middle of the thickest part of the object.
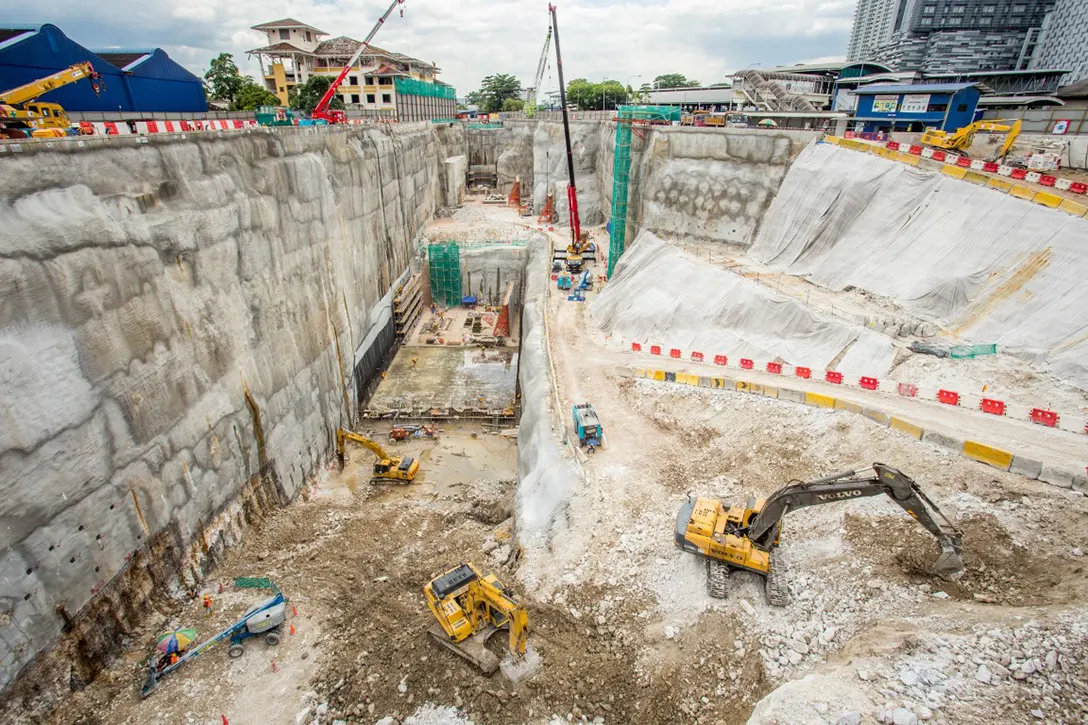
(660, 295)
(987, 266)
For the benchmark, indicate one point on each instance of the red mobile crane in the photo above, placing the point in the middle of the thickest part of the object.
(322, 110)
(578, 245)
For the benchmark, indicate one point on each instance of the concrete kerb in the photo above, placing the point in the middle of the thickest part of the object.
(990, 455)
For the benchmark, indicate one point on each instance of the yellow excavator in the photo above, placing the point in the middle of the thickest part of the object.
(744, 537)
(387, 467)
(22, 115)
(961, 139)
(471, 607)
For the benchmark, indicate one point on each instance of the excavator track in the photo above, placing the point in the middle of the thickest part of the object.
(473, 648)
(775, 585)
(717, 579)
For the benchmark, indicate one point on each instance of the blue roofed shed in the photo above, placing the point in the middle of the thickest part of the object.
(141, 80)
(913, 107)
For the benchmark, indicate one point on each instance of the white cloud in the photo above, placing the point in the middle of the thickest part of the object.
(703, 39)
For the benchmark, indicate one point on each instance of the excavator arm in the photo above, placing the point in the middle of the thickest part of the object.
(492, 591)
(342, 436)
(879, 479)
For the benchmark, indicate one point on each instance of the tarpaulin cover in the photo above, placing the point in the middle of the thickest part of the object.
(664, 296)
(989, 267)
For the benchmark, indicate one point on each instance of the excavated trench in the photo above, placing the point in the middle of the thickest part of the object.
(190, 319)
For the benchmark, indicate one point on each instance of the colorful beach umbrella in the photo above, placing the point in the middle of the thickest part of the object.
(176, 641)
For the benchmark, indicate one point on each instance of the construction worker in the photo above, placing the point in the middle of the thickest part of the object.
(207, 601)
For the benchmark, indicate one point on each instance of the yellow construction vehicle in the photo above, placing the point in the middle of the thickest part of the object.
(961, 139)
(471, 607)
(22, 115)
(744, 537)
(387, 467)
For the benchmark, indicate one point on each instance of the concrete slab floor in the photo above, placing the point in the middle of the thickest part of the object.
(460, 377)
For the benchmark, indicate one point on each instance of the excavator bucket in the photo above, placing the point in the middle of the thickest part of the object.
(521, 668)
(949, 564)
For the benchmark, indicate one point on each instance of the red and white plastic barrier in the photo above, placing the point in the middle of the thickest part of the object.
(991, 406)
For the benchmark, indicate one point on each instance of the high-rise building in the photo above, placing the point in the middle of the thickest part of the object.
(874, 25)
(950, 35)
(1064, 40)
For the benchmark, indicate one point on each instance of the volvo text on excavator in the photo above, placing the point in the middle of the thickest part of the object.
(22, 114)
(744, 537)
(471, 607)
(386, 467)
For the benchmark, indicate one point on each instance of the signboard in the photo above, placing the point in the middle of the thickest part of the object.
(1060, 127)
(915, 104)
(885, 104)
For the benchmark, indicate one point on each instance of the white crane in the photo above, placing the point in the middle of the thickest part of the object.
(542, 64)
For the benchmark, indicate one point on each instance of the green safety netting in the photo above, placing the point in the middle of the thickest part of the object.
(254, 582)
(972, 351)
(412, 87)
(445, 270)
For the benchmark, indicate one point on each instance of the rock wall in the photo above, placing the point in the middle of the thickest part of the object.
(177, 325)
(705, 184)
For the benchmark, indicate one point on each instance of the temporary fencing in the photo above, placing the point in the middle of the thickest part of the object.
(991, 406)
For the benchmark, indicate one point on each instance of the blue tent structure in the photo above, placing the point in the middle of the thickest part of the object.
(135, 80)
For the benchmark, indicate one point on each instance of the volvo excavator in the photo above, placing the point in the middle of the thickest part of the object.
(387, 468)
(744, 537)
(471, 607)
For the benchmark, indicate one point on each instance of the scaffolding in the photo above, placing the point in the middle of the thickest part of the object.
(445, 272)
(628, 119)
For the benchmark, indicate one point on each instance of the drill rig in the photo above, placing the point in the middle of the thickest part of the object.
(579, 242)
(744, 537)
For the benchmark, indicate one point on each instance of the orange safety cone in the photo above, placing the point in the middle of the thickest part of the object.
(294, 612)
(292, 629)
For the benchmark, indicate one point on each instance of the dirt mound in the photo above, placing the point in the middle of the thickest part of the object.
(997, 569)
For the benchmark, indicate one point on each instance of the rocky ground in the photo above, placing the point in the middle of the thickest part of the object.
(619, 616)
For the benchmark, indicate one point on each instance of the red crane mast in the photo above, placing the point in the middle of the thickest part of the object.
(322, 110)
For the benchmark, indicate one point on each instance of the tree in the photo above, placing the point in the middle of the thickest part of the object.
(252, 94)
(589, 96)
(513, 104)
(494, 90)
(223, 81)
(674, 80)
(309, 93)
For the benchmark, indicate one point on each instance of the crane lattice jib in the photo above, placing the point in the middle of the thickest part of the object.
(541, 66)
(321, 110)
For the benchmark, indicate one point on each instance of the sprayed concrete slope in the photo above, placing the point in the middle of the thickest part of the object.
(661, 294)
(146, 287)
(989, 267)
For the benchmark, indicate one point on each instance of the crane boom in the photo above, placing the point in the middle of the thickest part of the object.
(321, 111)
(542, 64)
(34, 89)
(572, 192)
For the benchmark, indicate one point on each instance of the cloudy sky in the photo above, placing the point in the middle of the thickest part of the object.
(469, 39)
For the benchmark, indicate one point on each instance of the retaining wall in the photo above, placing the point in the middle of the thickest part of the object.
(178, 320)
